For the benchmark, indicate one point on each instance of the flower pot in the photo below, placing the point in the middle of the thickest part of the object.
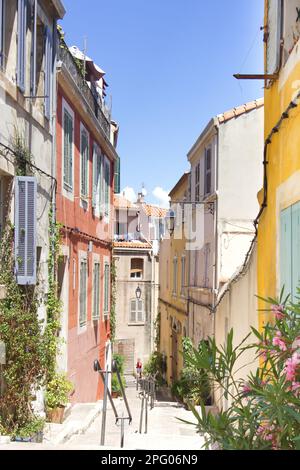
(56, 415)
(37, 438)
(115, 394)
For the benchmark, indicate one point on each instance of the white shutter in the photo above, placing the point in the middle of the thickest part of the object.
(133, 311)
(274, 34)
(48, 71)
(1, 32)
(95, 176)
(25, 229)
(33, 48)
(140, 316)
(22, 24)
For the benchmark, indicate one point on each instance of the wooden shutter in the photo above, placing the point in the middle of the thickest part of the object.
(95, 176)
(21, 57)
(48, 71)
(286, 250)
(106, 288)
(96, 307)
(84, 163)
(82, 295)
(117, 185)
(208, 171)
(25, 229)
(295, 256)
(274, 13)
(140, 315)
(1, 33)
(133, 311)
(107, 186)
(68, 150)
(33, 48)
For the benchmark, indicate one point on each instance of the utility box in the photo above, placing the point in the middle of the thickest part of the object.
(2, 292)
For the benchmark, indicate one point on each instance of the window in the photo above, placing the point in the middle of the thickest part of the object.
(96, 292)
(48, 71)
(136, 311)
(21, 53)
(25, 229)
(136, 268)
(2, 23)
(290, 250)
(117, 188)
(107, 187)
(183, 275)
(291, 26)
(197, 183)
(175, 275)
(106, 289)
(207, 171)
(83, 293)
(97, 175)
(68, 150)
(84, 153)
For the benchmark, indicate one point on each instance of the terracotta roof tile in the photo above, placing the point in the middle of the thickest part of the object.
(120, 202)
(134, 244)
(238, 111)
(154, 211)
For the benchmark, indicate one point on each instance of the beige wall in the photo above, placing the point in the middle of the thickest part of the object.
(238, 310)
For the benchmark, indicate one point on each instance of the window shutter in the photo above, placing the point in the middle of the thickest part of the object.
(96, 307)
(83, 298)
(140, 316)
(33, 48)
(106, 288)
(107, 186)
(95, 176)
(68, 150)
(48, 71)
(208, 171)
(117, 187)
(25, 230)
(295, 256)
(84, 163)
(286, 250)
(1, 32)
(22, 15)
(274, 34)
(133, 311)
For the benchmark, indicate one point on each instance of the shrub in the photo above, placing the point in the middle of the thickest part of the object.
(264, 411)
(58, 391)
(155, 367)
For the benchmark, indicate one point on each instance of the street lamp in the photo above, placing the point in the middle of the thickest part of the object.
(138, 293)
(170, 221)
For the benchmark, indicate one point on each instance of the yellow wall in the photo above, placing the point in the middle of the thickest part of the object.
(172, 307)
(283, 176)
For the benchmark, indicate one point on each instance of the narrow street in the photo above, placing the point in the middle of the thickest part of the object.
(165, 431)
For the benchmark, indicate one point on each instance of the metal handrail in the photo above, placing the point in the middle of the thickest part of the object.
(104, 374)
(148, 389)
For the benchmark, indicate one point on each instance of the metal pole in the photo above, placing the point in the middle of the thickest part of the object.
(146, 415)
(142, 412)
(109, 395)
(122, 431)
(124, 395)
(102, 442)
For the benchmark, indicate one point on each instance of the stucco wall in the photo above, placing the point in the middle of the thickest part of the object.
(238, 310)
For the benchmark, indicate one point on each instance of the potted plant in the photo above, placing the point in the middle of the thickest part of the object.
(57, 396)
(30, 432)
(115, 386)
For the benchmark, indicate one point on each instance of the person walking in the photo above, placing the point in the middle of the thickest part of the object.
(139, 367)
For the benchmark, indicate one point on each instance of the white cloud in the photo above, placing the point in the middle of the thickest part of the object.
(162, 196)
(129, 194)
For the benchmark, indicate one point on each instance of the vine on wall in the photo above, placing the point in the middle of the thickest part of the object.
(113, 301)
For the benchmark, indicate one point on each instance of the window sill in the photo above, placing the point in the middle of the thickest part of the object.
(137, 324)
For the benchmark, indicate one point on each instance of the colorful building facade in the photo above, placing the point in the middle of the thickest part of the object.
(279, 218)
(85, 168)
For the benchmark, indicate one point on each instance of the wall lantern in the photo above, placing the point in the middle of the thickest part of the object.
(170, 221)
(138, 293)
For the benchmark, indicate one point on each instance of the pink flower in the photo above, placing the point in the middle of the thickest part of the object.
(279, 311)
(278, 341)
(246, 389)
(291, 367)
(296, 343)
(296, 387)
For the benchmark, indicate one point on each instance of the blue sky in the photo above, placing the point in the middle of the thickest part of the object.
(169, 65)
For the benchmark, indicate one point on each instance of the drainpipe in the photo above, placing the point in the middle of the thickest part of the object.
(215, 268)
(54, 110)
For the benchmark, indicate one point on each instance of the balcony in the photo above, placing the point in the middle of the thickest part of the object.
(100, 111)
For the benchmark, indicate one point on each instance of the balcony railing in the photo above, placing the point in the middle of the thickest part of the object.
(100, 111)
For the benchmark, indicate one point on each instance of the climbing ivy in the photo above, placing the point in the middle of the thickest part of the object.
(113, 274)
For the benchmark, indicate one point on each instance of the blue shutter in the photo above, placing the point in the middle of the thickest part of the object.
(48, 71)
(22, 15)
(25, 229)
(1, 32)
(286, 250)
(295, 250)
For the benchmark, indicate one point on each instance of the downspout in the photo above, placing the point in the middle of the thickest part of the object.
(215, 268)
(54, 111)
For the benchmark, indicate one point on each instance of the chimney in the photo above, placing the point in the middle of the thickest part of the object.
(141, 198)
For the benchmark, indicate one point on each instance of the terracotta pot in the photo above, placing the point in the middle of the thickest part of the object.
(115, 394)
(56, 415)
